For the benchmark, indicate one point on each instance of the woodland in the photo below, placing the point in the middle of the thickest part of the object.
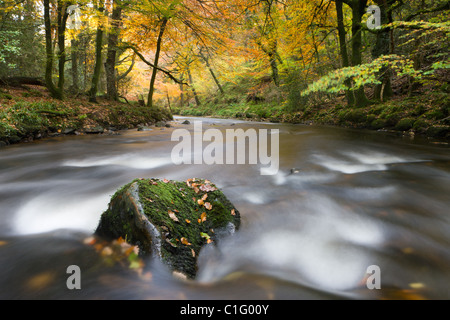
(297, 61)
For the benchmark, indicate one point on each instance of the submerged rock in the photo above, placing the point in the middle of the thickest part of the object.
(172, 220)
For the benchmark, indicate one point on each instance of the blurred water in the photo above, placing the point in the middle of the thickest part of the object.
(356, 199)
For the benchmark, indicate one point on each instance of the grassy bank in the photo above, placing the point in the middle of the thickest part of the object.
(426, 114)
(29, 114)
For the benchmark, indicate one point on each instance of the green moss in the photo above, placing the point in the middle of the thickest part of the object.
(405, 124)
(378, 124)
(420, 125)
(184, 223)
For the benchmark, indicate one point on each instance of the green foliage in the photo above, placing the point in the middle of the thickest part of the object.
(9, 46)
(361, 75)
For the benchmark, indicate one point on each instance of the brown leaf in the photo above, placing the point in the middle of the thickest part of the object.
(173, 216)
(207, 188)
(205, 196)
(166, 181)
(208, 206)
(203, 217)
(188, 221)
(233, 212)
(200, 202)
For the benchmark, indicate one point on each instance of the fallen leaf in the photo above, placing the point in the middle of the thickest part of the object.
(185, 241)
(200, 202)
(193, 253)
(233, 212)
(89, 241)
(171, 243)
(208, 206)
(205, 235)
(107, 251)
(203, 217)
(188, 221)
(205, 196)
(417, 285)
(196, 190)
(173, 216)
(207, 188)
(166, 181)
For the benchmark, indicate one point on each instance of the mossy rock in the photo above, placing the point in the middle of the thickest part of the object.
(405, 124)
(442, 132)
(170, 219)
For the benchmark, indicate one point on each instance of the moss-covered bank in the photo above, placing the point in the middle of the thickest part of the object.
(426, 114)
(26, 115)
(171, 219)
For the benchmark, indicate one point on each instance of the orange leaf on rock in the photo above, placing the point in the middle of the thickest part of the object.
(173, 216)
(208, 206)
(185, 241)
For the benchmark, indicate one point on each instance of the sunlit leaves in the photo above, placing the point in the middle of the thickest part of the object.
(361, 75)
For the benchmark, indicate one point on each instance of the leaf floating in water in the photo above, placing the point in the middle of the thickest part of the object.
(208, 206)
(40, 281)
(417, 285)
(173, 216)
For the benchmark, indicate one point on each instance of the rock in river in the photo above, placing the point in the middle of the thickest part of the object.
(172, 220)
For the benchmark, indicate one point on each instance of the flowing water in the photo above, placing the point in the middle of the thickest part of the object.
(356, 199)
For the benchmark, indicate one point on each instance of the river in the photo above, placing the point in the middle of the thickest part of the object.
(356, 199)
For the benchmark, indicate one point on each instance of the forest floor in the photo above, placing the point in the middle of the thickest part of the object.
(29, 113)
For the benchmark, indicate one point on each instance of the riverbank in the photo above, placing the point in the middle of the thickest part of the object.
(426, 114)
(29, 113)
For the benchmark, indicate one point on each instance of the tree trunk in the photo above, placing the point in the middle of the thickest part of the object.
(113, 40)
(164, 22)
(219, 86)
(191, 83)
(181, 95)
(54, 91)
(343, 48)
(98, 60)
(358, 9)
(74, 58)
(62, 21)
(382, 47)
